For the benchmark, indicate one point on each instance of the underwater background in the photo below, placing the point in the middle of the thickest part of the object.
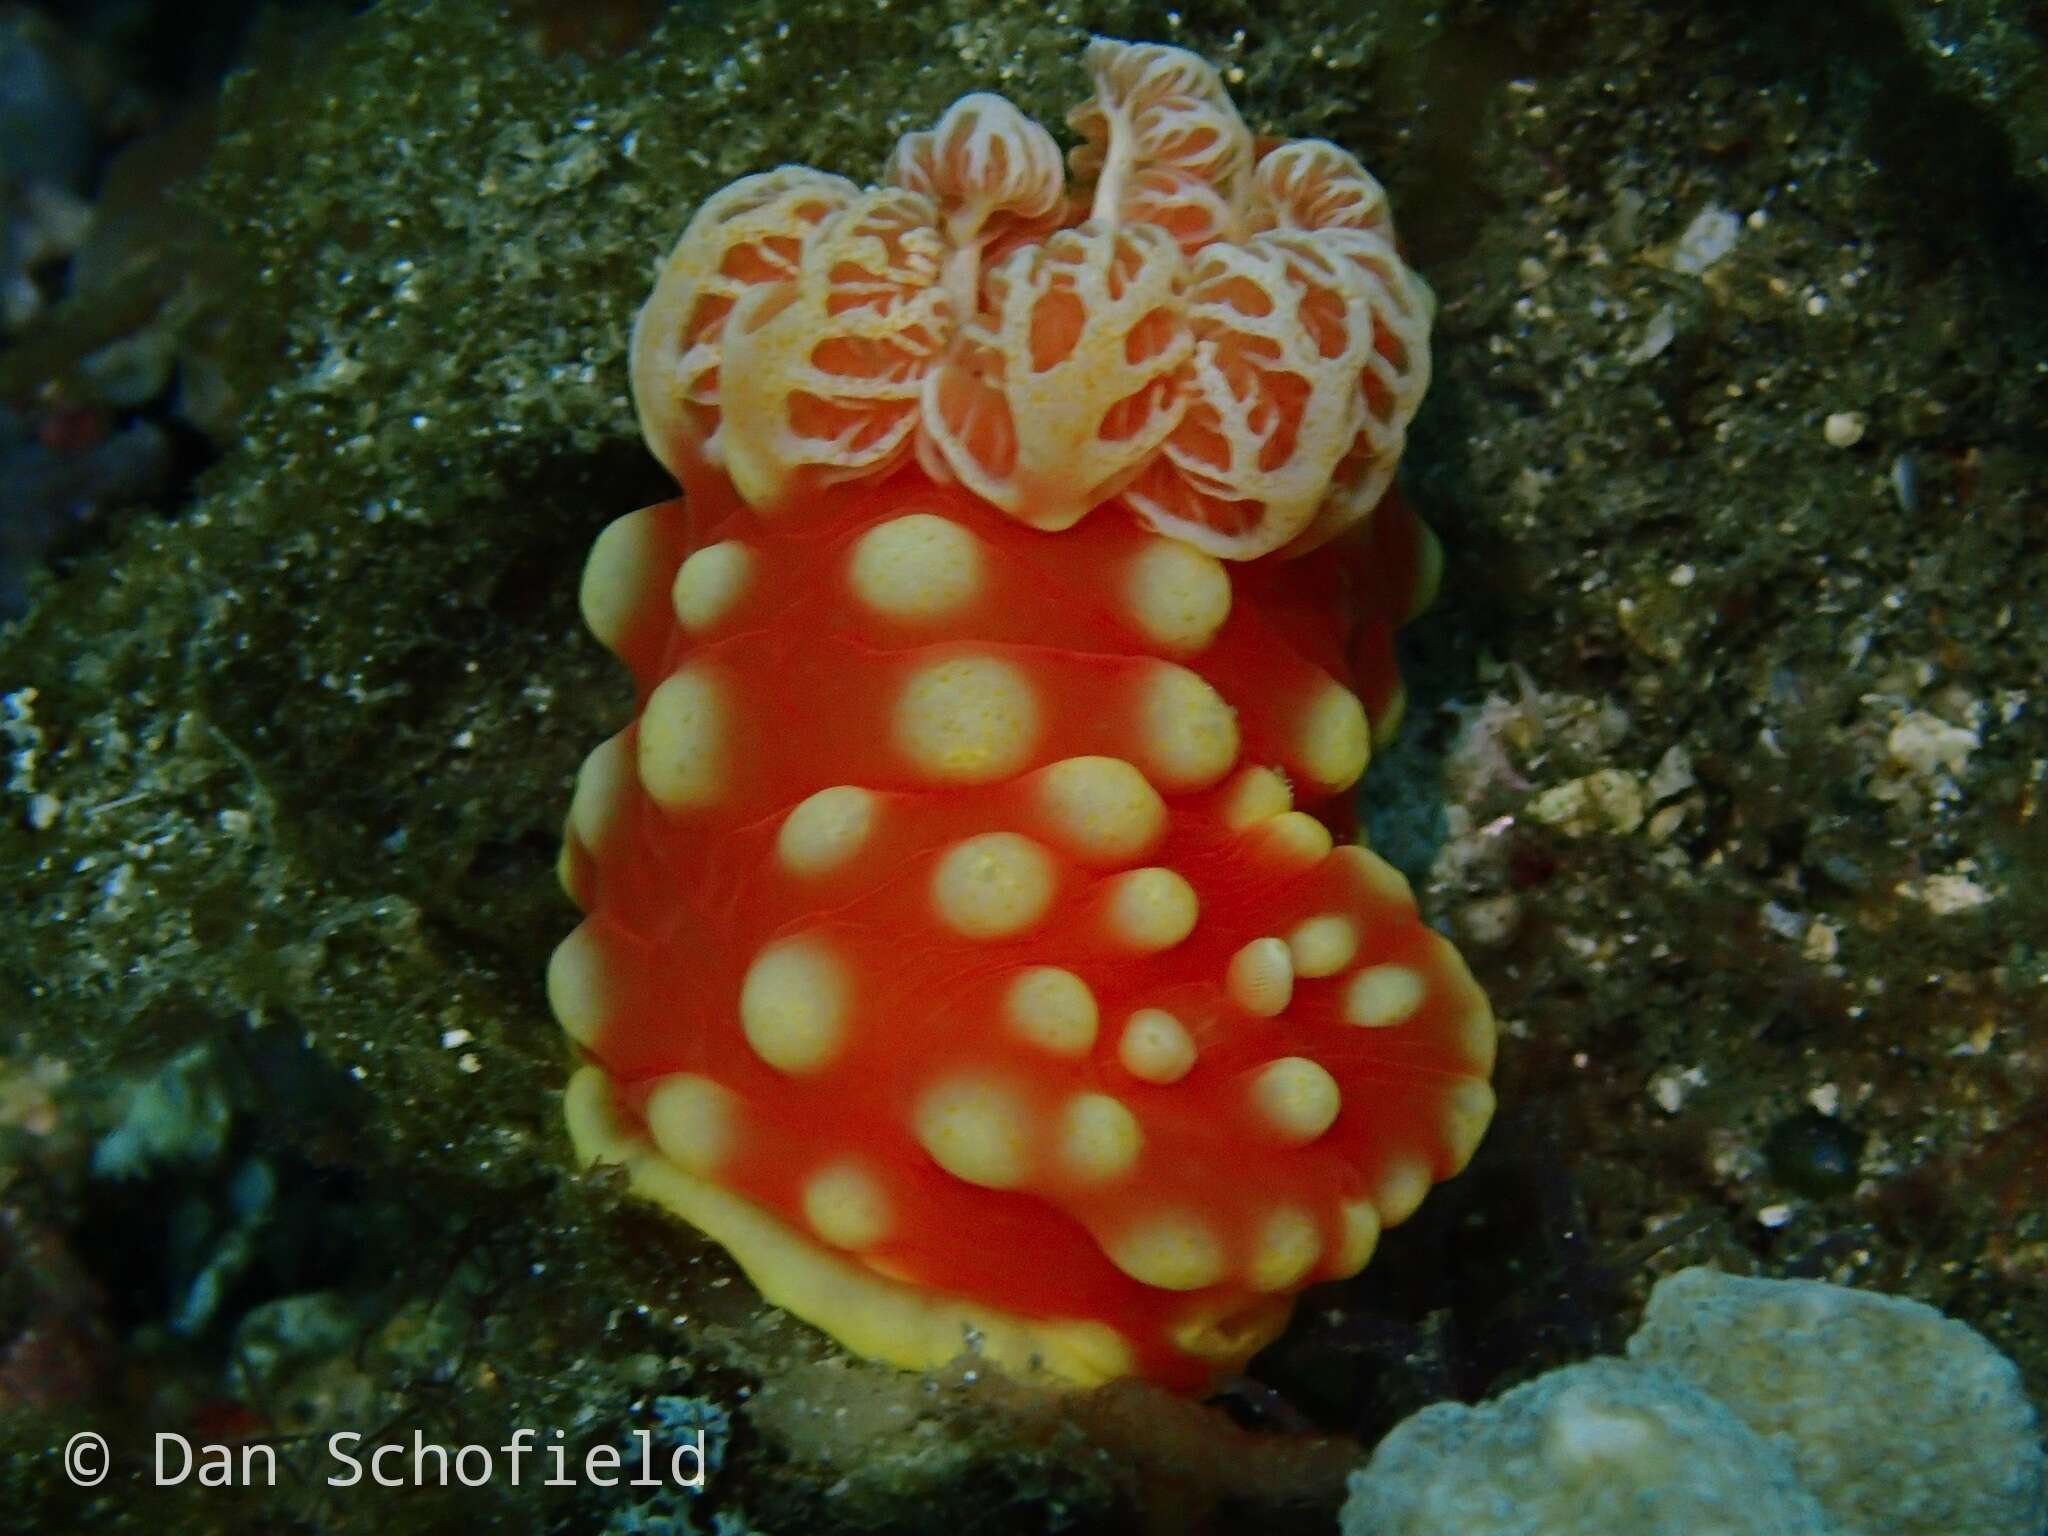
(1723, 762)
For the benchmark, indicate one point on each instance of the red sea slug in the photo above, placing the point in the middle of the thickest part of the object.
(967, 948)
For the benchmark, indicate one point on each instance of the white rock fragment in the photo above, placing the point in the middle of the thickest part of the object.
(1596, 1449)
(1657, 336)
(1922, 743)
(1490, 921)
(1665, 824)
(1673, 774)
(1669, 1088)
(1783, 921)
(1609, 801)
(1844, 429)
(20, 733)
(1896, 1418)
(1906, 483)
(179, 1114)
(1945, 895)
(1710, 236)
(1978, 1041)
(1743, 1408)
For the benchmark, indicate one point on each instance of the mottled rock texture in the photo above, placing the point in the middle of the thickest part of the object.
(1788, 1407)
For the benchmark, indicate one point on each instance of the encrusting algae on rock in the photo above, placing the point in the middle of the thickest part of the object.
(969, 947)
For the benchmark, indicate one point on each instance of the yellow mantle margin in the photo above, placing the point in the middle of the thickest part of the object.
(870, 1314)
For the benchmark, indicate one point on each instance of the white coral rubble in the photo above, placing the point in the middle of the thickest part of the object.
(1770, 1407)
(1229, 342)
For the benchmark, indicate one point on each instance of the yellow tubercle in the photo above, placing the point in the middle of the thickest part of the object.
(794, 1005)
(1260, 978)
(619, 576)
(1053, 1009)
(976, 1130)
(968, 720)
(1173, 1250)
(992, 886)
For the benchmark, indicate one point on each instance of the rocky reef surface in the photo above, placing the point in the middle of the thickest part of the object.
(1791, 1407)
(1724, 759)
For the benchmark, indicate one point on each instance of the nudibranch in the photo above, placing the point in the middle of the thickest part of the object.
(974, 945)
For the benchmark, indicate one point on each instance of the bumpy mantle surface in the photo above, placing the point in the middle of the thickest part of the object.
(965, 950)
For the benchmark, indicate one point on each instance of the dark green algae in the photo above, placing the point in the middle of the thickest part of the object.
(306, 744)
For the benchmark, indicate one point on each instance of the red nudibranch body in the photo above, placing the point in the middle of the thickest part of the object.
(967, 948)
